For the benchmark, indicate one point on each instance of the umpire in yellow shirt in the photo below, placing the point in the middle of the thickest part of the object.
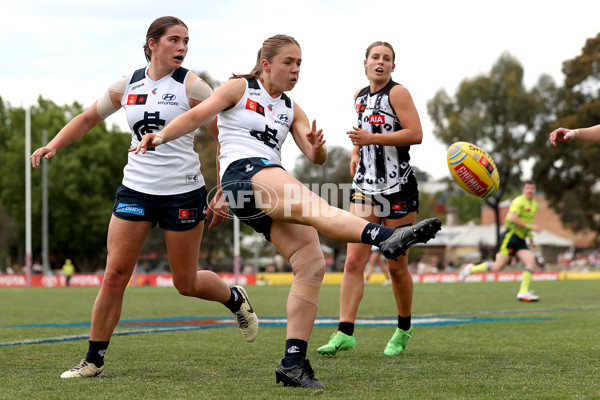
(68, 270)
(519, 227)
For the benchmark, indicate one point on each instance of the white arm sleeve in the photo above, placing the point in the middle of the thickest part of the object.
(104, 106)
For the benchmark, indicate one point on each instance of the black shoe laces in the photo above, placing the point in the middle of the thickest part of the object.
(241, 318)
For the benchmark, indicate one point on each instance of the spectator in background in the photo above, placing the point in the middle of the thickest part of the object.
(37, 268)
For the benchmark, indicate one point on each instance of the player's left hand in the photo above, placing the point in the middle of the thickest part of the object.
(315, 137)
(218, 209)
(360, 137)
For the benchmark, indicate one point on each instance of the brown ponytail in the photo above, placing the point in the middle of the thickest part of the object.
(270, 48)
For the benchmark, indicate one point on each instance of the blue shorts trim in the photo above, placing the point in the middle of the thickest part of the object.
(177, 212)
(237, 189)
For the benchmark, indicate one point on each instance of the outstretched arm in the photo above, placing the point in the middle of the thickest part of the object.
(75, 129)
(591, 134)
(224, 97)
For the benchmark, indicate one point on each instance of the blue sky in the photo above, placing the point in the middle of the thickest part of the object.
(70, 51)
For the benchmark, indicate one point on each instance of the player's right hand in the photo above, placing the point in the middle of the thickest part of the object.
(37, 155)
(148, 140)
(561, 135)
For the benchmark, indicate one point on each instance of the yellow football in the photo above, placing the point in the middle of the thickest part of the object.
(473, 169)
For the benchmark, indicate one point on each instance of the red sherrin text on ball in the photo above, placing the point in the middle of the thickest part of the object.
(471, 179)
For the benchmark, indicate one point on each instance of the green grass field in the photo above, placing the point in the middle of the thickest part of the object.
(554, 358)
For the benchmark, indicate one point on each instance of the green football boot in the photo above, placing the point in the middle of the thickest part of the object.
(397, 343)
(339, 341)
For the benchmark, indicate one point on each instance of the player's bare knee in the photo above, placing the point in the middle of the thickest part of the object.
(115, 280)
(184, 287)
(354, 264)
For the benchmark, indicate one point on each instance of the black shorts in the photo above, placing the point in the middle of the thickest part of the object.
(510, 244)
(237, 189)
(392, 206)
(177, 212)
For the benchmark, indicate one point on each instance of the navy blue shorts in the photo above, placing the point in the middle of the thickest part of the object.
(390, 206)
(177, 212)
(237, 189)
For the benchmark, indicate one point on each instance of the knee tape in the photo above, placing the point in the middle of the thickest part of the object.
(308, 264)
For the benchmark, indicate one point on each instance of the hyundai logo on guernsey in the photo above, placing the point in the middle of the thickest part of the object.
(169, 100)
(132, 209)
(282, 119)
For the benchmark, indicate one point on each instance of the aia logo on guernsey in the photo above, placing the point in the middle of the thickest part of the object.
(471, 179)
(376, 119)
(136, 99)
(188, 214)
(255, 106)
(399, 206)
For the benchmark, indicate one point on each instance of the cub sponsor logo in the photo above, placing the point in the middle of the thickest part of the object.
(136, 99)
(399, 206)
(188, 215)
(255, 106)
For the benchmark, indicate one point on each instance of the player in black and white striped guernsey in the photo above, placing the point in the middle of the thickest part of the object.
(382, 169)
(384, 191)
(163, 187)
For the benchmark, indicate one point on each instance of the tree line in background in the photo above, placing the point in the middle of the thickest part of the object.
(494, 110)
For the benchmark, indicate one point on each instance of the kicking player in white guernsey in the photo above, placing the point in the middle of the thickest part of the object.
(255, 115)
(384, 191)
(163, 187)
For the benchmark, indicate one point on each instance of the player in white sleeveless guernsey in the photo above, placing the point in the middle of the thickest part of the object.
(163, 187)
(384, 191)
(256, 126)
(254, 116)
(150, 105)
